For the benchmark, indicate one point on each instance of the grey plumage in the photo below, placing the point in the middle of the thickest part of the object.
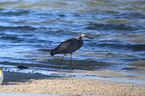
(69, 46)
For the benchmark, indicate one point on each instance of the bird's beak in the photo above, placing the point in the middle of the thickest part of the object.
(89, 37)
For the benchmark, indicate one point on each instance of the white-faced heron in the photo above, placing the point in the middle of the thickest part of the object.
(69, 46)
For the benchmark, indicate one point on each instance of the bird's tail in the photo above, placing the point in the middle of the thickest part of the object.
(52, 53)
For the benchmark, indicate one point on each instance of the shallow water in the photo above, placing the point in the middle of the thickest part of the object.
(31, 28)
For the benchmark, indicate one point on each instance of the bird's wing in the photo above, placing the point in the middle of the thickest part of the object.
(68, 46)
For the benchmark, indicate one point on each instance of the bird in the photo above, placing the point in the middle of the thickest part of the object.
(69, 46)
(1, 76)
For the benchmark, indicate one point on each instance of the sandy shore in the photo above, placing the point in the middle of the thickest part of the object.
(40, 84)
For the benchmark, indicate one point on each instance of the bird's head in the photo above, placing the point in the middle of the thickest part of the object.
(83, 36)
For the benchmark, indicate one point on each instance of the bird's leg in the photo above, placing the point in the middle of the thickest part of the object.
(71, 60)
(61, 60)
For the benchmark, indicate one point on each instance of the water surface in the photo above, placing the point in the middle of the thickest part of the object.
(31, 28)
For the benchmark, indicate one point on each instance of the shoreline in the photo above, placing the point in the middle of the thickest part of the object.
(22, 83)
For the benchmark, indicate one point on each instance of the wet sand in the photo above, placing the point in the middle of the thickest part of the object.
(41, 84)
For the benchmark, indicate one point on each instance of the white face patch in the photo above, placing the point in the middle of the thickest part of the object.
(83, 35)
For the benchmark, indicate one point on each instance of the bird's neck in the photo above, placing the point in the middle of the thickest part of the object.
(79, 38)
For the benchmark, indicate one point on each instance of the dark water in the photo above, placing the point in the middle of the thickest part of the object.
(30, 28)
